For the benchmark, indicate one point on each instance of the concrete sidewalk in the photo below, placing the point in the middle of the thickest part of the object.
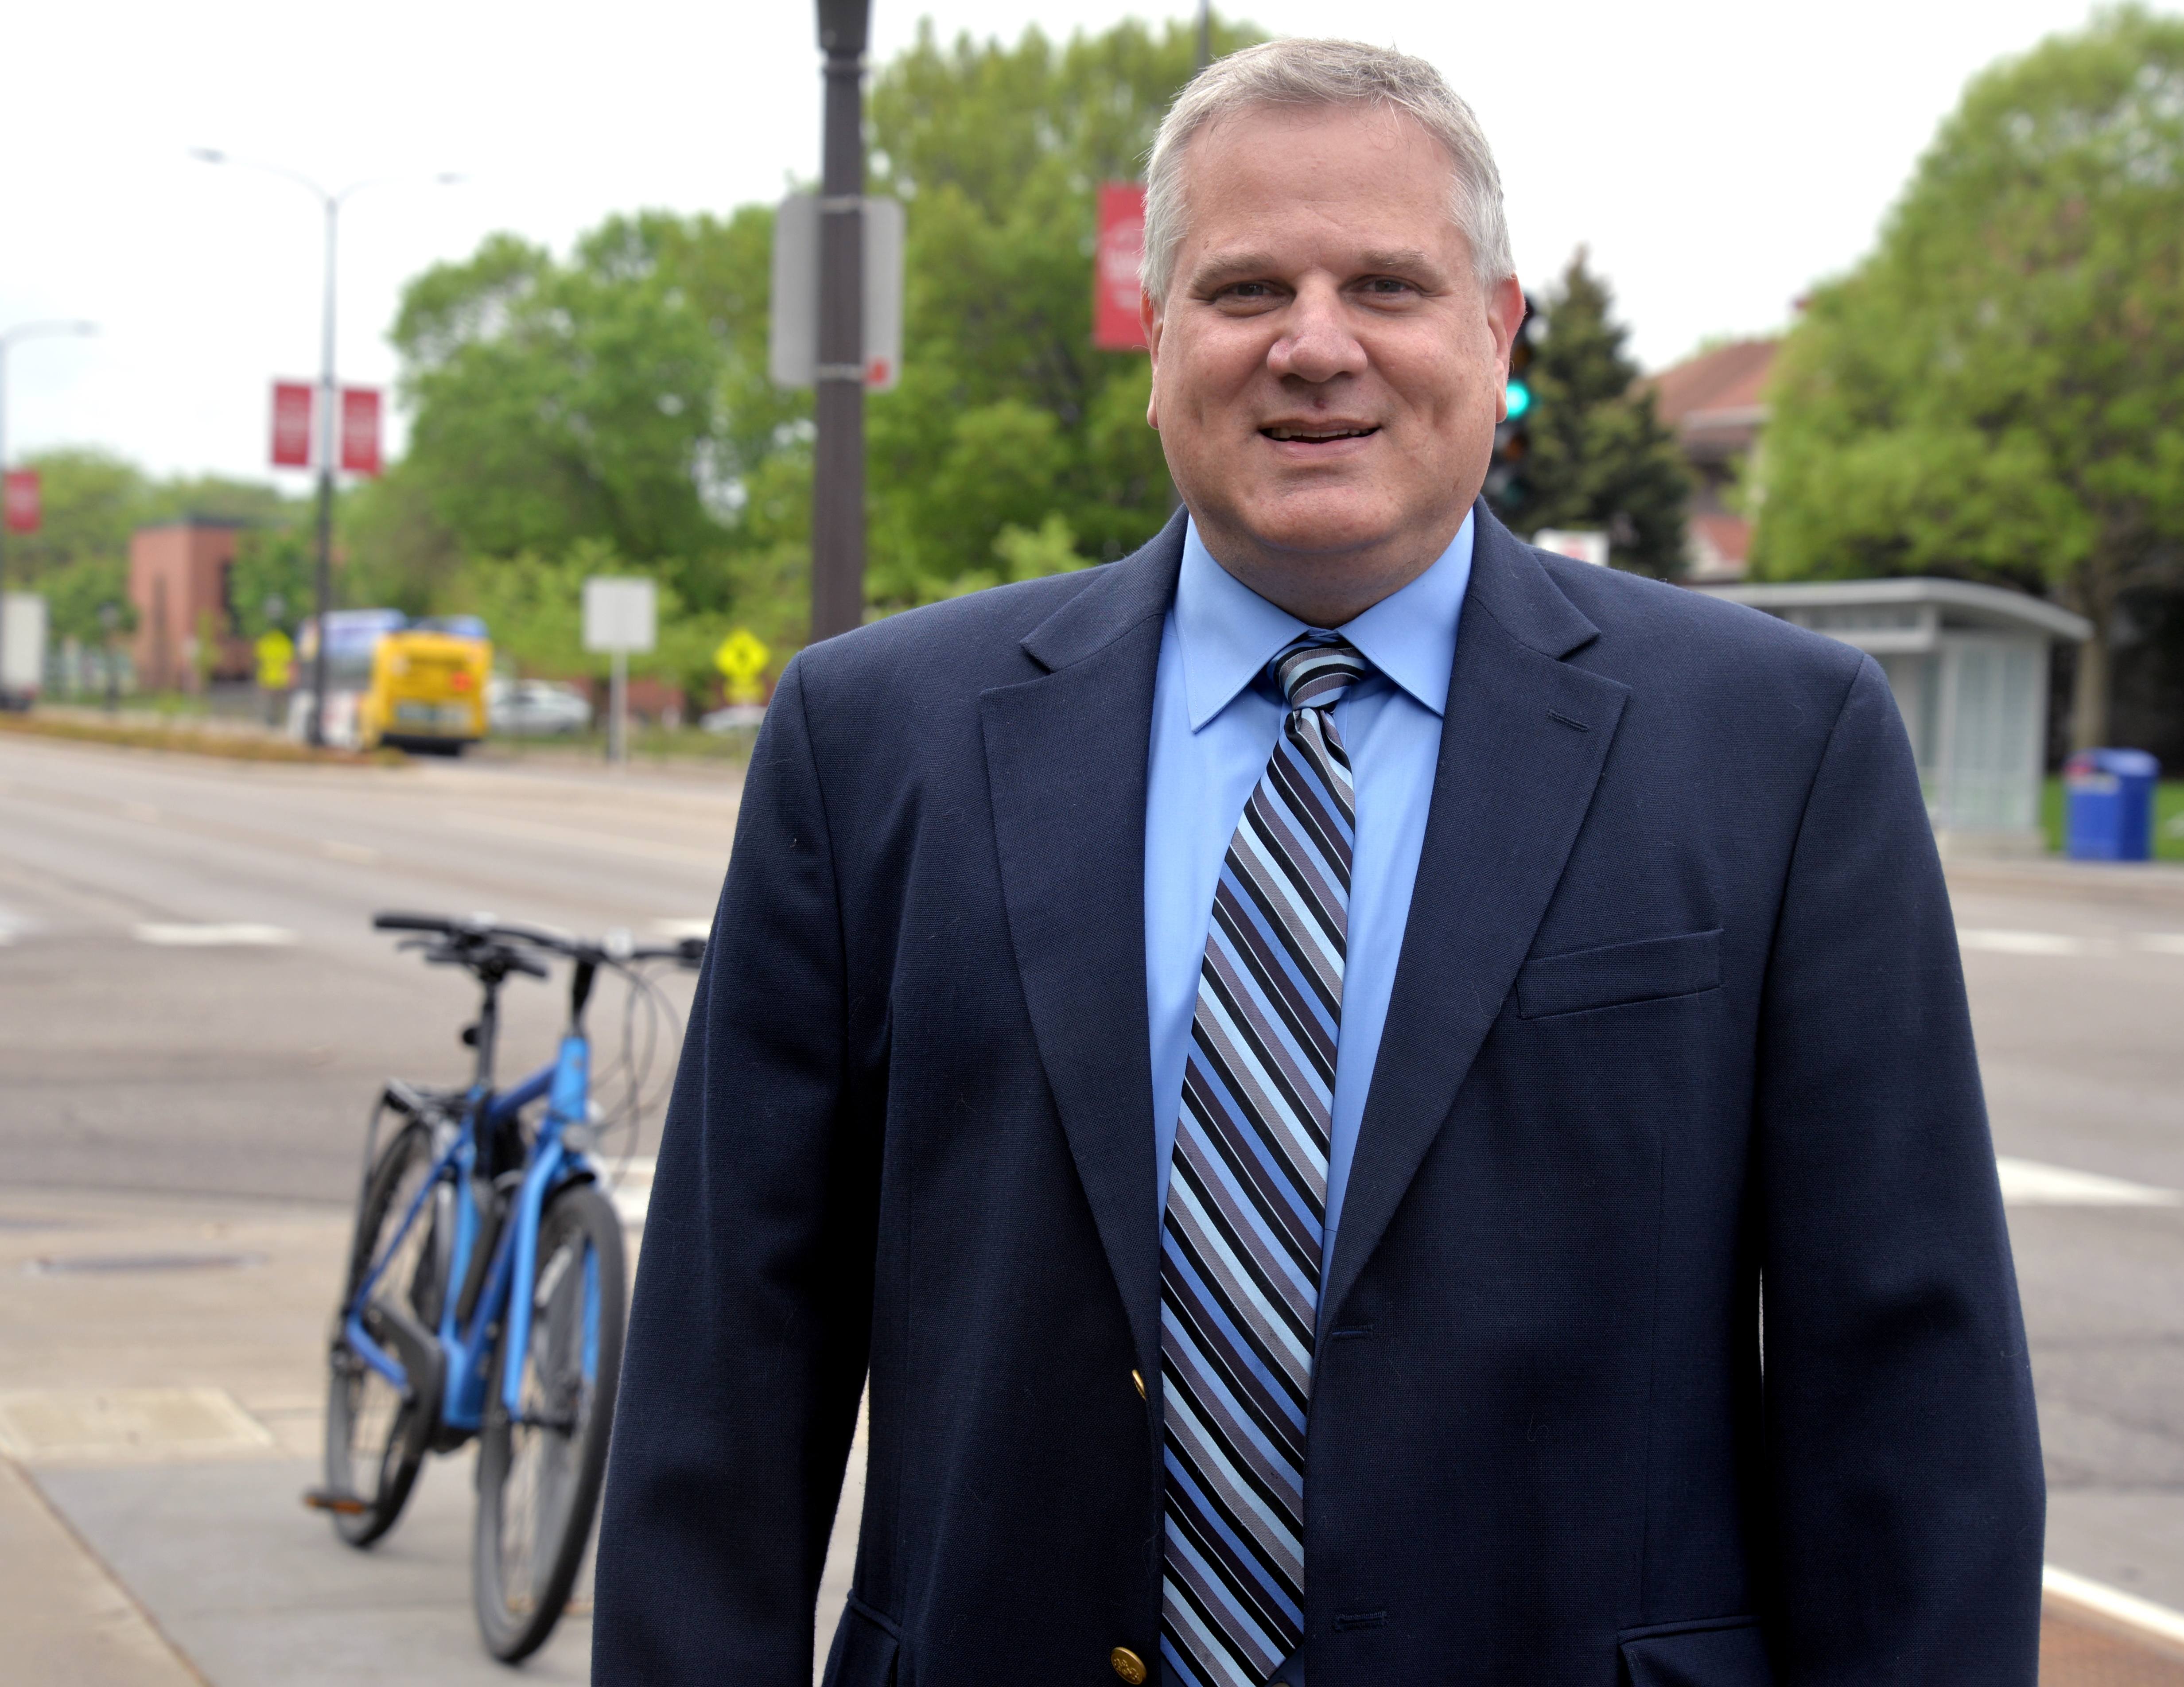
(161, 1414)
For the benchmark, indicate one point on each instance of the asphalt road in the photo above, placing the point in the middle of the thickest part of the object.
(145, 1043)
(150, 1038)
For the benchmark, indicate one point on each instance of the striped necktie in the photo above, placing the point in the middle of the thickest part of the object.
(1247, 1198)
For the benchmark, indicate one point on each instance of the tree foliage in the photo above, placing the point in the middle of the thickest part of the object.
(93, 501)
(1599, 459)
(1998, 390)
(619, 397)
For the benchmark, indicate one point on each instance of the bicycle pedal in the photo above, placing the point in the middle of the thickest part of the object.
(331, 1500)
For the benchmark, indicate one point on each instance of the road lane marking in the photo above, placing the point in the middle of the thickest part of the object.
(545, 832)
(362, 855)
(675, 930)
(1993, 941)
(2156, 1621)
(2030, 1182)
(2018, 943)
(242, 935)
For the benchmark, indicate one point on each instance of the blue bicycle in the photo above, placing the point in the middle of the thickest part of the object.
(487, 1286)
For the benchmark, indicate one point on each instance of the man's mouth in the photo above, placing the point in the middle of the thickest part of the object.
(1317, 436)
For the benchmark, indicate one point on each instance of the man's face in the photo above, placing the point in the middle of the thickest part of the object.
(1326, 371)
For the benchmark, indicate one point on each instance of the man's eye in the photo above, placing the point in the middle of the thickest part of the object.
(1387, 286)
(1248, 291)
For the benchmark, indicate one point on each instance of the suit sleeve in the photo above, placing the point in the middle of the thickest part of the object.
(1906, 1494)
(749, 1334)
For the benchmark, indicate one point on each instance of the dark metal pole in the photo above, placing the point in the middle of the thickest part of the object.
(1205, 33)
(838, 488)
(329, 444)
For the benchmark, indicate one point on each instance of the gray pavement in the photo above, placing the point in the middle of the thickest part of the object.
(193, 1017)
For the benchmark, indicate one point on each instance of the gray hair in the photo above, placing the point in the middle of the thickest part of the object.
(1325, 73)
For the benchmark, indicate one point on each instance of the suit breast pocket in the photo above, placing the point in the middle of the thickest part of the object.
(1620, 975)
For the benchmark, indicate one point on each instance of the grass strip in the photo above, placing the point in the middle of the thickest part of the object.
(189, 741)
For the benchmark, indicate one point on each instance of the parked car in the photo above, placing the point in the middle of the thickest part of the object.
(735, 715)
(537, 709)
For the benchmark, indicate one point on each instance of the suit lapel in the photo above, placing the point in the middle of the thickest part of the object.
(1522, 742)
(1066, 757)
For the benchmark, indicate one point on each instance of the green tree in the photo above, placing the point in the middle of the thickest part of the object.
(1997, 390)
(1599, 458)
(622, 395)
(534, 606)
(1006, 414)
(273, 563)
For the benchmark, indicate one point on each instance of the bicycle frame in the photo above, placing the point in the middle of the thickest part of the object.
(466, 1352)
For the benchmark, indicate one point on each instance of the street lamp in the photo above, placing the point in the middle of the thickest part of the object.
(329, 398)
(22, 330)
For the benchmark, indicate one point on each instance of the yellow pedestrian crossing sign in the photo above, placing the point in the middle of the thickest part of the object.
(276, 660)
(741, 658)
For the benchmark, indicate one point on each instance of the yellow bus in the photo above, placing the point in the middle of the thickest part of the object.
(419, 686)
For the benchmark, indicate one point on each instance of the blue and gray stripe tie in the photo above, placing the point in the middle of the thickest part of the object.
(1247, 1198)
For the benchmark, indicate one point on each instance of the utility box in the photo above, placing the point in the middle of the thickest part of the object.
(1969, 666)
(22, 649)
(2107, 805)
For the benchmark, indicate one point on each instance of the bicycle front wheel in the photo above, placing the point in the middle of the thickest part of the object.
(539, 1471)
(376, 1434)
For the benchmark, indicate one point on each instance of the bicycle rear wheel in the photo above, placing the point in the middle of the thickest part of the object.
(539, 1473)
(376, 1434)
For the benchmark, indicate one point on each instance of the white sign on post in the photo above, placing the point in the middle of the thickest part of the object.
(618, 614)
(1577, 545)
(22, 644)
(793, 346)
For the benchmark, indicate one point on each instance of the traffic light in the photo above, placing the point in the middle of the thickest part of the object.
(1507, 489)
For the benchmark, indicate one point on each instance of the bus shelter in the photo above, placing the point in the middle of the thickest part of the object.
(1969, 665)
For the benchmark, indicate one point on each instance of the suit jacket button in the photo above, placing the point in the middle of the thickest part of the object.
(1128, 1665)
(1140, 1383)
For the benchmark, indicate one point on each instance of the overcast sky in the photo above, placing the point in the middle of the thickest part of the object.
(1716, 158)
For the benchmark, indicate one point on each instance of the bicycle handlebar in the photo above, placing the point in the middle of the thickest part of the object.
(480, 930)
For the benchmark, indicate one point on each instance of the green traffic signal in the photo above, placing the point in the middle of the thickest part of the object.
(1518, 398)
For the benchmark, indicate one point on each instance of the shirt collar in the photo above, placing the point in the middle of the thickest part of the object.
(1227, 632)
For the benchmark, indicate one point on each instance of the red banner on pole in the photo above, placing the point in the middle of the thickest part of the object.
(360, 430)
(23, 508)
(1116, 324)
(292, 425)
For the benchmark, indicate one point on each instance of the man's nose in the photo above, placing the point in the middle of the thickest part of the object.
(1316, 343)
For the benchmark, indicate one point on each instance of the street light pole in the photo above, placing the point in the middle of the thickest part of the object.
(328, 434)
(322, 581)
(837, 484)
(21, 331)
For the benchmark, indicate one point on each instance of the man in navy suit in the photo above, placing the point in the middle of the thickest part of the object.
(1372, 1104)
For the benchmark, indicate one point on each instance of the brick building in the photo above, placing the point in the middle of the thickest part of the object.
(179, 583)
(1713, 404)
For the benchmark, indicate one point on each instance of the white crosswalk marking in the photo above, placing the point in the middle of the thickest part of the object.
(237, 935)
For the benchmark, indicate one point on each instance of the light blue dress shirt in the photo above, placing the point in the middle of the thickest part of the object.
(1215, 721)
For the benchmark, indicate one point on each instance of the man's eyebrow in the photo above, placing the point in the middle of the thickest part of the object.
(1404, 259)
(1221, 268)
(1230, 266)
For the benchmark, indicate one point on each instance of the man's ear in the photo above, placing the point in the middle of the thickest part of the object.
(1505, 315)
(1149, 319)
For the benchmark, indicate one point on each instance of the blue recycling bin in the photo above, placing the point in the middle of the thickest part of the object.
(2108, 804)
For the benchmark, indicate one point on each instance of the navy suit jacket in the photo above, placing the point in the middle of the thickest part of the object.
(1670, 1335)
